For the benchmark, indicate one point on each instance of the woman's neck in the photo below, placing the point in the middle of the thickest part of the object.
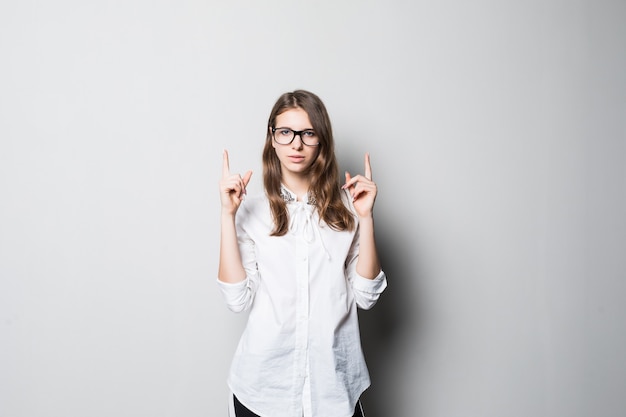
(296, 184)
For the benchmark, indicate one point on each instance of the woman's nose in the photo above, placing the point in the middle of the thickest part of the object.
(297, 144)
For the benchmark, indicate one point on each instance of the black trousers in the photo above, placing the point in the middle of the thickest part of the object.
(242, 411)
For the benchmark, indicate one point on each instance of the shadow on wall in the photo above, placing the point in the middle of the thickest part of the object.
(388, 330)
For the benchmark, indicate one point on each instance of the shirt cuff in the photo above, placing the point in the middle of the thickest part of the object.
(235, 294)
(228, 286)
(371, 286)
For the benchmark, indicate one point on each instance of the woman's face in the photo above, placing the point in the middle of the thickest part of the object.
(296, 157)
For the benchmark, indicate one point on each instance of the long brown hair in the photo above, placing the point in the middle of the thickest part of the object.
(323, 171)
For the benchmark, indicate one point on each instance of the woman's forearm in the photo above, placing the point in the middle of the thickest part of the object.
(230, 267)
(368, 264)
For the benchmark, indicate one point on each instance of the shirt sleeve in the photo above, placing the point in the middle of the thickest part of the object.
(240, 295)
(367, 291)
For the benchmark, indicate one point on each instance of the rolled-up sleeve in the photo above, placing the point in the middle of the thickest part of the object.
(239, 295)
(367, 291)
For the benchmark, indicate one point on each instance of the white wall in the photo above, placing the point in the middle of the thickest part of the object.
(498, 140)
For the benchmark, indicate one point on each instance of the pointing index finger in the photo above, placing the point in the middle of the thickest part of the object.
(368, 167)
(225, 165)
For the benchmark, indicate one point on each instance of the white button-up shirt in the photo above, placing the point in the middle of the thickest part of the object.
(300, 353)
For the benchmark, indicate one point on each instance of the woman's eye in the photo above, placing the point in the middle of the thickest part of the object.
(284, 132)
(308, 133)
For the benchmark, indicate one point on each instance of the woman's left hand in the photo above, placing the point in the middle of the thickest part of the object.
(362, 189)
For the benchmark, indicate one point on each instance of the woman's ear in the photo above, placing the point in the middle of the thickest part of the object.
(271, 136)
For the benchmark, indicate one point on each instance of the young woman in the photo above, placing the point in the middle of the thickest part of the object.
(300, 258)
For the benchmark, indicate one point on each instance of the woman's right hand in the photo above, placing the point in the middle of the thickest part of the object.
(232, 187)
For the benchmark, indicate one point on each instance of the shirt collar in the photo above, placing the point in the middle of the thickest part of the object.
(290, 197)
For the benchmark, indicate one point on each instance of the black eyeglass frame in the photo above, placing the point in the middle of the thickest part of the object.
(295, 133)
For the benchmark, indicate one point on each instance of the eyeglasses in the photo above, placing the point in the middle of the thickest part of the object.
(284, 136)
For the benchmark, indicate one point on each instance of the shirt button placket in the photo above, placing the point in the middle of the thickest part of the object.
(302, 306)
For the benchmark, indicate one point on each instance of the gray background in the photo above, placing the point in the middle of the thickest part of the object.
(498, 140)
